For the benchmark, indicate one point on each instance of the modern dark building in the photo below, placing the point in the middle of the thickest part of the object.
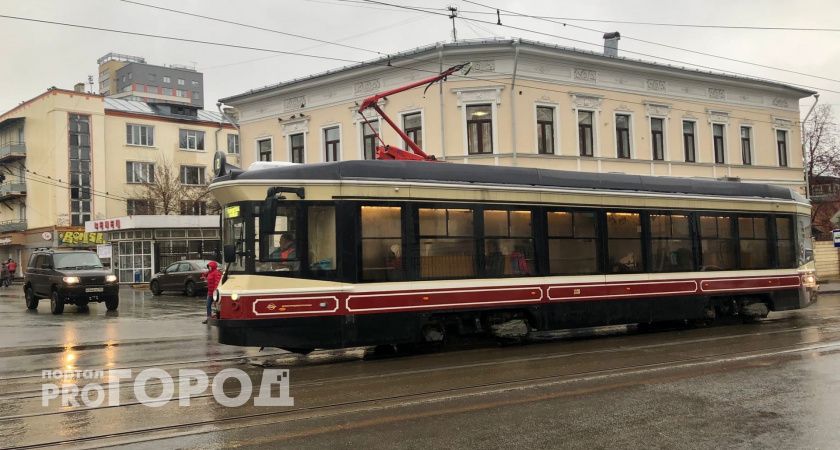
(131, 78)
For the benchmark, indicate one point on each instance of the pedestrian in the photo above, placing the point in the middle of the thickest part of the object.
(12, 265)
(4, 276)
(213, 277)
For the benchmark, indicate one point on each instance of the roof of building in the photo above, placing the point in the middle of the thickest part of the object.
(438, 172)
(391, 60)
(136, 107)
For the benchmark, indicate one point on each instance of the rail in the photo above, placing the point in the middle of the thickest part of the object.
(12, 149)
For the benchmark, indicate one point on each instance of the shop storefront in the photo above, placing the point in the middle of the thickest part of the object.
(142, 245)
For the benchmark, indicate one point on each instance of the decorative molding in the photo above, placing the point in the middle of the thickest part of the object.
(779, 122)
(655, 85)
(657, 109)
(472, 95)
(587, 75)
(623, 108)
(780, 102)
(296, 126)
(294, 103)
(484, 66)
(718, 116)
(586, 101)
(367, 86)
(717, 93)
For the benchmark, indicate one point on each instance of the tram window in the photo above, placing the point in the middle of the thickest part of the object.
(508, 243)
(447, 244)
(233, 233)
(753, 242)
(670, 241)
(382, 256)
(806, 245)
(717, 248)
(572, 247)
(784, 242)
(321, 239)
(624, 243)
(280, 251)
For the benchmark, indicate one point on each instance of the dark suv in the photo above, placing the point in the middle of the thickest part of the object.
(69, 276)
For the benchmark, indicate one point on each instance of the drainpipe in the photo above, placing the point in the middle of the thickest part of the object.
(513, 100)
(804, 160)
(440, 98)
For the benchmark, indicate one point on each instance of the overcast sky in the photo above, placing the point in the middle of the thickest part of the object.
(36, 56)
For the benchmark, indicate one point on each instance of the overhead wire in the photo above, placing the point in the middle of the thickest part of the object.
(660, 44)
(381, 62)
(599, 45)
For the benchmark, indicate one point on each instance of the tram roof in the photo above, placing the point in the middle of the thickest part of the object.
(452, 173)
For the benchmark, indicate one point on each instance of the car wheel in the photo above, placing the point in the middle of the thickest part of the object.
(155, 288)
(189, 288)
(112, 303)
(31, 299)
(56, 303)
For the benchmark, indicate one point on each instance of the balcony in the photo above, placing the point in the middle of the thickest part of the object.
(12, 225)
(12, 189)
(12, 151)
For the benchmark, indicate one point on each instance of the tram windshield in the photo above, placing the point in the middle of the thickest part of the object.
(295, 240)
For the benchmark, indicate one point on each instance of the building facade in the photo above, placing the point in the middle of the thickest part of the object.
(535, 105)
(131, 78)
(72, 157)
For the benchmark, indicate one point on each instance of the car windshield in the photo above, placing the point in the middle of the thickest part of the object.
(77, 261)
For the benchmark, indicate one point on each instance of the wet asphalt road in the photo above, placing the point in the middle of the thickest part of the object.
(774, 384)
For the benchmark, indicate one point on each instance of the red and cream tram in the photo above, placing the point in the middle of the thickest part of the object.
(361, 253)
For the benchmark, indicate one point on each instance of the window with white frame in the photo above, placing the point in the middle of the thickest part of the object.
(689, 143)
(718, 133)
(191, 139)
(657, 138)
(413, 127)
(746, 145)
(264, 150)
(586, 137)
(140, 135)
(781, 147)
(167, 80)
(369, 132)
(136, 206)
(193, 208)
(297, 147)
(622, 135)
(180, 81)
(139, 172)
(233, 143)
(480, 129)
(545, 130)
(332, 143)
(192, 175)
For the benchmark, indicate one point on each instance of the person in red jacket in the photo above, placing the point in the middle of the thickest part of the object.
(213, 277)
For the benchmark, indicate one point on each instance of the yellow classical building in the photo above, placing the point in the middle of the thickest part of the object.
(536, 105)
(71, 157)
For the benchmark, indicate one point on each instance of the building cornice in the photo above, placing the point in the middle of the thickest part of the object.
(113, 112)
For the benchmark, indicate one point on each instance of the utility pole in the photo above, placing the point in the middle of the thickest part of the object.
(453, 13)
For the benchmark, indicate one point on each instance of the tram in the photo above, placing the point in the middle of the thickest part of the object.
(360, 253)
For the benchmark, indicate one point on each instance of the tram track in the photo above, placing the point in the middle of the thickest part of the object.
(296, 362)
(816, 347)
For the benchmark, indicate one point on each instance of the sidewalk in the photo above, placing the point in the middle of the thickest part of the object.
(831, 286)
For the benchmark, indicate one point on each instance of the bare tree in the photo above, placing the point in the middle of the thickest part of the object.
(164, 191)
(822, 150)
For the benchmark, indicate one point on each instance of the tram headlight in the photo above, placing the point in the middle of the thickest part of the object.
(234, 296)
(809, 280)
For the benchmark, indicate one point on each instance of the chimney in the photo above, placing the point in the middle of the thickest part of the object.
(79, 87)
(611, 43)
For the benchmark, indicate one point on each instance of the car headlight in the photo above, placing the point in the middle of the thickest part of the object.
(71, 280)
(111, 279)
